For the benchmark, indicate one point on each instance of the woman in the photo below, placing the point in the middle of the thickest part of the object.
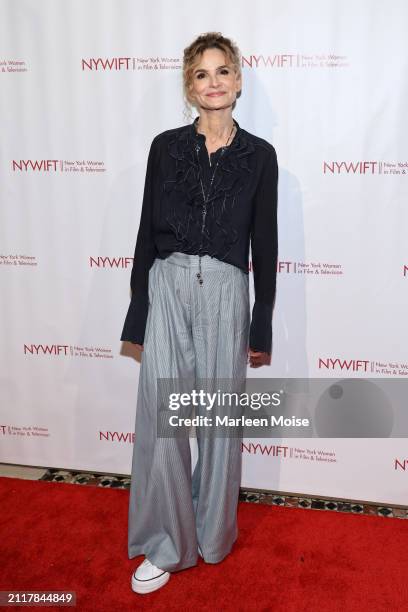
(210, 190)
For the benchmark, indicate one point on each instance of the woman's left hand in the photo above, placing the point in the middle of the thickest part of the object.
(257, 359)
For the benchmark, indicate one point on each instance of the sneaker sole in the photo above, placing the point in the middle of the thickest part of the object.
(147, 586)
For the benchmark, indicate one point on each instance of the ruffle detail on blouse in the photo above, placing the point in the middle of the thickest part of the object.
(184, 202)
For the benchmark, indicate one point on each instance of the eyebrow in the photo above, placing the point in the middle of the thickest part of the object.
(203, 70)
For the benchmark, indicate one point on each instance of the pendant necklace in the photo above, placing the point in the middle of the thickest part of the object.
(206, 197)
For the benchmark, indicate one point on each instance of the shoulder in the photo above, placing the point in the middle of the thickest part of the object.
(262, 146)
(266, 158)
(164, 137)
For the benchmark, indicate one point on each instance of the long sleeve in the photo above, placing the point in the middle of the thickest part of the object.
(264, 247)
(144, 256)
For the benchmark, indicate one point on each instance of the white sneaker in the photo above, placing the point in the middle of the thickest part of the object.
(148, 578)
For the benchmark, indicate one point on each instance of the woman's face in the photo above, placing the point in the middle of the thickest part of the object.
(214, 83)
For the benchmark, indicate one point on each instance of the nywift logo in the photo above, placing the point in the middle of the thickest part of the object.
(110, 262)
(365, 167)
(47, 166)
(349, 365)
(68, 350)
(294, 60)
(127, 63)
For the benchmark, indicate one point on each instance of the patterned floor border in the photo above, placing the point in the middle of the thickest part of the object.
(254, 496)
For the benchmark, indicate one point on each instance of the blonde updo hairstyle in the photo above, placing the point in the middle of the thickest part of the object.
(192, 56)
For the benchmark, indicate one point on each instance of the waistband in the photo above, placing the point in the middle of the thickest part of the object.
(186, 260)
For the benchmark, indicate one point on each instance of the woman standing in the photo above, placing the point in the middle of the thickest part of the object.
(210, 191)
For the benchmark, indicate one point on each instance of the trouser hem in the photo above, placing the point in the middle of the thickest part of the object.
(174, 567)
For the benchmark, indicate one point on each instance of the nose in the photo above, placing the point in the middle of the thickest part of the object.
(214, 80)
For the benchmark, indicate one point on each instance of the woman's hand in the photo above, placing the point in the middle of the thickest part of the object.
(139, 346)
(257, 359)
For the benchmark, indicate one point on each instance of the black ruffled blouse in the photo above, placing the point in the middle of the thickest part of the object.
(241, 209)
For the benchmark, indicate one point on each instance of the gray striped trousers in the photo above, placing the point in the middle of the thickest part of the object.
(192, 332)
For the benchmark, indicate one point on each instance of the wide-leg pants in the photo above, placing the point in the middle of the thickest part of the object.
(192, 332)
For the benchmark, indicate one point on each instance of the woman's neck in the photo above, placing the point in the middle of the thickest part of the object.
(216, 127)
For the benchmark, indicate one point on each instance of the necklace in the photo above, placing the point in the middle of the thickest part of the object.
(206, 197)
(222, 148)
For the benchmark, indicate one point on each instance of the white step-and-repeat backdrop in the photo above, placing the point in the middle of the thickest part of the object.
(85, 86)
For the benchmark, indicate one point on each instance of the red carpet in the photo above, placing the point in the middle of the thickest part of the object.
(72, 537)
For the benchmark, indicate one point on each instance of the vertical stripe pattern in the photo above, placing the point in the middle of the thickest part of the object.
(192, 332)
